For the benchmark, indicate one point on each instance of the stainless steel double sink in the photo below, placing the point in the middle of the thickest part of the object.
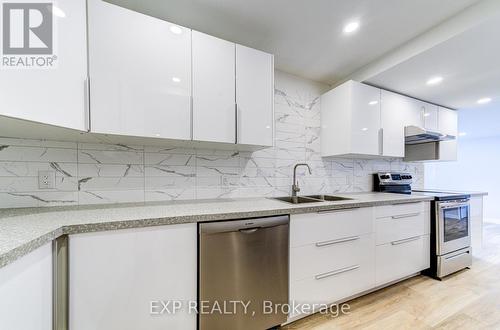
(311, 199)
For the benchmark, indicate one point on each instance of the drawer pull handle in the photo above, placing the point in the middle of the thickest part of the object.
(339, 210)
(336, 272)
(458, 255)
(402, 216)
(407, 240)
(337, 241)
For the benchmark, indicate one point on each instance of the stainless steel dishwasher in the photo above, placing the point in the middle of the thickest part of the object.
(243, 262)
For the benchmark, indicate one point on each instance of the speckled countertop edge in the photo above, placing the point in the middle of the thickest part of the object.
(238, 208)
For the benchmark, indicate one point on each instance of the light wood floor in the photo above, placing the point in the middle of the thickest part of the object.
(469, 299)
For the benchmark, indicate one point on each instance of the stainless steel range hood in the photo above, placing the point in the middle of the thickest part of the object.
(418, 135)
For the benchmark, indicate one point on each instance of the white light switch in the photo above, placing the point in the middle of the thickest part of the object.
(46, 179)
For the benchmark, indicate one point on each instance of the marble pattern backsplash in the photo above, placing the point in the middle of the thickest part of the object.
(104, 173)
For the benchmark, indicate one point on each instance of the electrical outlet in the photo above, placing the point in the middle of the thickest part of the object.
(46, 179)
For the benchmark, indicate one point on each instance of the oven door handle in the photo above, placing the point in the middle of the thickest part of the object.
(449, 205)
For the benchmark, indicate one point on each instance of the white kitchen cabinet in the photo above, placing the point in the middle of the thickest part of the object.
(140, 74)
(254, 97)
(402, 240)
(476, 223)
(26, 292)
(399, 259)
(431, 116)
(54, 95)
(333, 272)
(350, 121)
(115, 277)
(214, 103)
(448, 124)
(397, 112)
(331, 256)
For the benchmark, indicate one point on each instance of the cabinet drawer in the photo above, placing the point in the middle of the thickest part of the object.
(398, 227)
(399, 259)
(398, 209)
(319, 227)
(330, 287)
(321, 257)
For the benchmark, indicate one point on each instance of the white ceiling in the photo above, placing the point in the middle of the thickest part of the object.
(306, 35)
(469, 64)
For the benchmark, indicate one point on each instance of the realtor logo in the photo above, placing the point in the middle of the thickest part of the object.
(28, 29)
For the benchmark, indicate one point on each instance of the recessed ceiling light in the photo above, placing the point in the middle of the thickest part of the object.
(176, 79)
(435, 80)
(462, 134)
(56, 11)
(373, 103)
(484, 100)
(427, 114)
(351, 27)
(175, 29)
(364, 129)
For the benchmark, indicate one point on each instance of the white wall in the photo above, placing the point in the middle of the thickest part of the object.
(478, 158)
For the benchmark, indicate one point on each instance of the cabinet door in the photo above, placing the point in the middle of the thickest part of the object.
(448, 124)
(392, 119)
(254, 96)
(412, 256)
(430, 113)
(26, 292)
(140, 71)
(398, 111)
(214, 104)
(365, 129)
(52, 95)
(117, 278)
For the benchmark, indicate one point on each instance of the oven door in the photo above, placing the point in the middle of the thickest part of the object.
(453, 226)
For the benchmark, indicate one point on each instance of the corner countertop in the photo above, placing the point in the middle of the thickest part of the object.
(23, 230)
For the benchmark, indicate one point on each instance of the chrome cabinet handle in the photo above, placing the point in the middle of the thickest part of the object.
(191, 127)
(337, 241)
(336, 272)
(236, 121)
(86, 100)
(381, 141)
(338, 210)
(407, 240)
(405, 215)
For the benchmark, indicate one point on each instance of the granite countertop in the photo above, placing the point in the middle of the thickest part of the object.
(24, 230)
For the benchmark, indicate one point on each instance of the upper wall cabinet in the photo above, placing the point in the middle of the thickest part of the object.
(140, 74)
(232, 92)
(51, 89)
(254, 96)
(448, 124)
(398, 111)
(431, 117)
(350, 121)
(214, 104)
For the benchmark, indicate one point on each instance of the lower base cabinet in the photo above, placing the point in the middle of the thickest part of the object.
(26, 292)
(122, 279)
(398, 260)
(343, 253)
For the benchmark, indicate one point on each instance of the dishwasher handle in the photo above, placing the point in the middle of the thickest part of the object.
(249, 230)
(243, 225)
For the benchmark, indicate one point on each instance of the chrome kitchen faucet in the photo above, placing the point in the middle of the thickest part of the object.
(295, 185)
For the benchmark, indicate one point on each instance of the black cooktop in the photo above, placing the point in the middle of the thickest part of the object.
(442, 195)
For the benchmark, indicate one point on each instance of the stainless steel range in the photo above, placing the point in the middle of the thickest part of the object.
(450, 223)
